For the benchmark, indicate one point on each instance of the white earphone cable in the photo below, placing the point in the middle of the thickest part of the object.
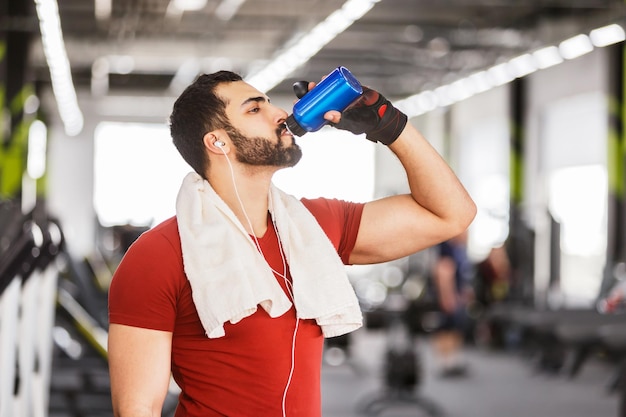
(288, 284)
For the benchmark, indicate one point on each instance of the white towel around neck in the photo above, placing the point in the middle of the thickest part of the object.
(229, 278)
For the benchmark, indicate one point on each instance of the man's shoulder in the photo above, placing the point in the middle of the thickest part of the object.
(322, 203)
(322, 207)
(168, 227)
(163, 234)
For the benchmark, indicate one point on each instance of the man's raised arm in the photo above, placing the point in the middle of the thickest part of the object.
(437, 208)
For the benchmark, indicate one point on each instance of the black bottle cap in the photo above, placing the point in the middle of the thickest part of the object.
(300, 88)
(294, 127)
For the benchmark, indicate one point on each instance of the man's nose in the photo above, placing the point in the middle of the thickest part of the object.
(280, 115)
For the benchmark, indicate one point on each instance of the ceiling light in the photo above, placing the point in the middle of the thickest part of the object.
(413, 33)
(439, 47)
(59, 66)
(411, 106)
(36, 159)
(547, 57)
(102, 9)
(428, 100)
(189, 5)
(522, 65)
(121, 64)
(308, 45)
(461, 89)
(418, 104)
(444, 98)
(481, 80)
(607, 35)
(356, 9)
(500, 74)
(575, 46)
(228, 8)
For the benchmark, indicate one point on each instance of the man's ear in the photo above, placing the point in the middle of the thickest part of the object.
(213, 142)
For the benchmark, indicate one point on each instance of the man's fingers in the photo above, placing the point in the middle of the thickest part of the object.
(332, 116)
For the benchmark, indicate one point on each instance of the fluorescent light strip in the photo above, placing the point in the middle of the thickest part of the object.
(547, 57)
(607, 35)
(522, 65)
(506, 72)
(299, 53)
(576, 46)
(188, 5)
(102, 9)
(59, 65)
(227, 9)
(37, 143)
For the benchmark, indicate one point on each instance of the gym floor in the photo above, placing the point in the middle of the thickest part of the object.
(498, 384)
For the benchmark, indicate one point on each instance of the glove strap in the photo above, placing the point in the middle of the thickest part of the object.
(391, 125)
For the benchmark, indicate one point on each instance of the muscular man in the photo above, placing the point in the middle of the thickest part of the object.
(234, 295)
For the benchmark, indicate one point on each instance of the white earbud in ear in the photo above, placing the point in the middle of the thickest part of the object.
(219, 143)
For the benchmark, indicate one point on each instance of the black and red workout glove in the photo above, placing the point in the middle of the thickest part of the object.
(371, 114)
(375, 116)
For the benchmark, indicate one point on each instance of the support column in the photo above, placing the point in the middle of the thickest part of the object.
(521, 240)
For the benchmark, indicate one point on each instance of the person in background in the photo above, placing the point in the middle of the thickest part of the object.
(234, 295)
(491, 285)
(493, 274)
(452, 275)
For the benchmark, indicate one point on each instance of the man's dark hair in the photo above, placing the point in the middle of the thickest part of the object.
(197, 111)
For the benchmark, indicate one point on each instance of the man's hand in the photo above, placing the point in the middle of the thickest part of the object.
(371, 114)
(375, 116)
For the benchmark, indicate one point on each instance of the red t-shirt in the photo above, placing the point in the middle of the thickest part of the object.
(245, 372)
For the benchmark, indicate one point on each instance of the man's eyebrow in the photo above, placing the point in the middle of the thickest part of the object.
(259, 99)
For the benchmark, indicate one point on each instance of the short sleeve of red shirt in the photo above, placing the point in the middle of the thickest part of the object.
(144, 289)
(340, 220)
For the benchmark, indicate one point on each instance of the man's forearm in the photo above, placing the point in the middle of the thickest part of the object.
(432, 182)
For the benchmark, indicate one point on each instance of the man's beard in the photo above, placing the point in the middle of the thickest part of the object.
(259, 151)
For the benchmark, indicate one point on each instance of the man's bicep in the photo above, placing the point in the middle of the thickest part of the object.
(139, 366)
(394, 227)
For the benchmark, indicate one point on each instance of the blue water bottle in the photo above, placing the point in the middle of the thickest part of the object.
(335, 92)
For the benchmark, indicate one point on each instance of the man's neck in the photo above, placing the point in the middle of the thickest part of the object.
(247, 197)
